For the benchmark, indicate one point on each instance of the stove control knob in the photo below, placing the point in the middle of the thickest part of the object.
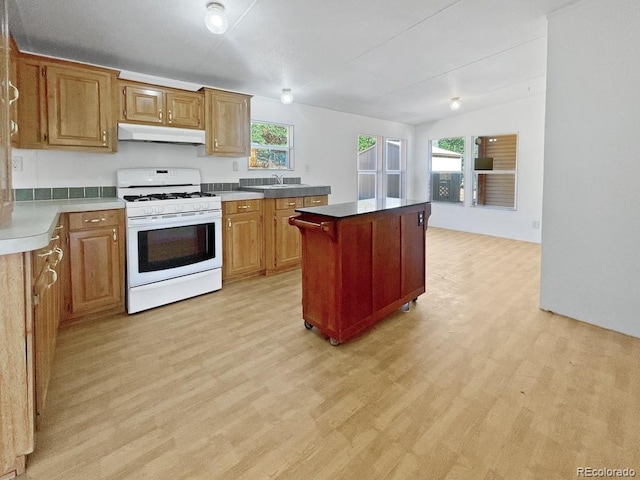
(159, 209)
(178, 208)
(148, 210)
(206, 206)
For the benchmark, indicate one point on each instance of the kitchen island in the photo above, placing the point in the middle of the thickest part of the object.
(360, 262)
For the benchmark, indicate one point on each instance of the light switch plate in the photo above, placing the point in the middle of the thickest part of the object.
(16, 163)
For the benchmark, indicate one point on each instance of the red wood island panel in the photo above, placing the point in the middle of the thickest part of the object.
(360, 262)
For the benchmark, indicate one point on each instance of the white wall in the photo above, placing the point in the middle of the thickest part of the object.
(591, 212)
(526, 118)
(325, 153)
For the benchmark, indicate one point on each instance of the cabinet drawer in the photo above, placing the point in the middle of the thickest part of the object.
(316, 200)
(97, 219)
(289, 203)
(241, 206)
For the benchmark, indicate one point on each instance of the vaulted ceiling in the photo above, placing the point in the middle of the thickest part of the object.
(399, 61)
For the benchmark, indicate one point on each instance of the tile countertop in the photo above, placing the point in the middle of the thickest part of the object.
(289, 190)
(233, 195)
(32, 223)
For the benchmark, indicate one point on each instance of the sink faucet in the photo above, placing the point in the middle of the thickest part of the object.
(279, 178)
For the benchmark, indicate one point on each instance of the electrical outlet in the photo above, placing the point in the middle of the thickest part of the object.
(306, 168)
(16, 162)
(535, 224)
(235, 166)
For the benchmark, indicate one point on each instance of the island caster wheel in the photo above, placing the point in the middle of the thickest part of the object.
(307, 325)
(334, 342)
(405, 307)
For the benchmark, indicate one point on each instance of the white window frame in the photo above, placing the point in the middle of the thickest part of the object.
(381, 171)
(289, 147)
(463, 171)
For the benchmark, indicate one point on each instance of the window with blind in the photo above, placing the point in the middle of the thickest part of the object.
(495, 171)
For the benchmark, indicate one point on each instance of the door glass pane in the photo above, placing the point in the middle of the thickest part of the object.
(366, 186)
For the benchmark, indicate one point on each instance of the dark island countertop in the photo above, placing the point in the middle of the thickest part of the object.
(351, 209)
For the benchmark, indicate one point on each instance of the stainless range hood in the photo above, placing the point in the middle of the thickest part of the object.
(151, 133)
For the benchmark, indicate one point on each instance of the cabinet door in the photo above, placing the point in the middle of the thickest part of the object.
(31, 107)
(228, 121)
(184, 110)
(287, 240)
(5, 142)
(96, 277)
(16, 378)
(242, 244)
(143, 104)
(79, 107)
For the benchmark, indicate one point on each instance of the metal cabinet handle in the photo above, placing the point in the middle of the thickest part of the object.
(16, 93)
(53, 239)
(170, 117)
(59, 227)
(60, 253)
(215, 143)
(45, 254)
(115, 236)
(14, 127)
(243, 206)
(160, 115)
(104, 137)
(228, 223)
(54, 276)
(95, 220)
(292, 204)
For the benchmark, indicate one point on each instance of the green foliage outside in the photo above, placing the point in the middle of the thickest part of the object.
(452, 144)
(365, 142)
(269, 134)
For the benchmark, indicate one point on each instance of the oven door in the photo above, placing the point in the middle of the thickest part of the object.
(164, 247)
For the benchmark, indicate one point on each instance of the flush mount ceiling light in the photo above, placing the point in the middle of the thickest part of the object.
(287, 96)
(455, 103)
(216, 18)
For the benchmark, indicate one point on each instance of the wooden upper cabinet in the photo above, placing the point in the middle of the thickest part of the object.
(184, 109)
(154, 105)
(142, 105)
(79, 102)
(65, 105)
(228, 123)
(31, 114)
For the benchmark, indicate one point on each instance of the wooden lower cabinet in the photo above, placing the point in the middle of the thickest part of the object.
(242, 239)
(16, 365)
(96, 263)
(48, 278)
(283, 249)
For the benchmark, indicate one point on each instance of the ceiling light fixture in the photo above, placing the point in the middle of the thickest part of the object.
(287, 96)
(455, 103)
(216, 18)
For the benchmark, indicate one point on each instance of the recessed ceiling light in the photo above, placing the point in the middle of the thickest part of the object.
(286, 97)
(455, 103)
(216, 18)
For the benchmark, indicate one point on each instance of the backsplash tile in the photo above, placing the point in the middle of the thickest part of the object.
(60, 193)
(63, 193)
(76, 192)
(42, 194)
(23, 194)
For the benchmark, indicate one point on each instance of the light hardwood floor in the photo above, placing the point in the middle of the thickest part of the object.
(475, 382)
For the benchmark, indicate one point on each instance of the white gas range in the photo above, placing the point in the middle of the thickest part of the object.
(174, 236)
